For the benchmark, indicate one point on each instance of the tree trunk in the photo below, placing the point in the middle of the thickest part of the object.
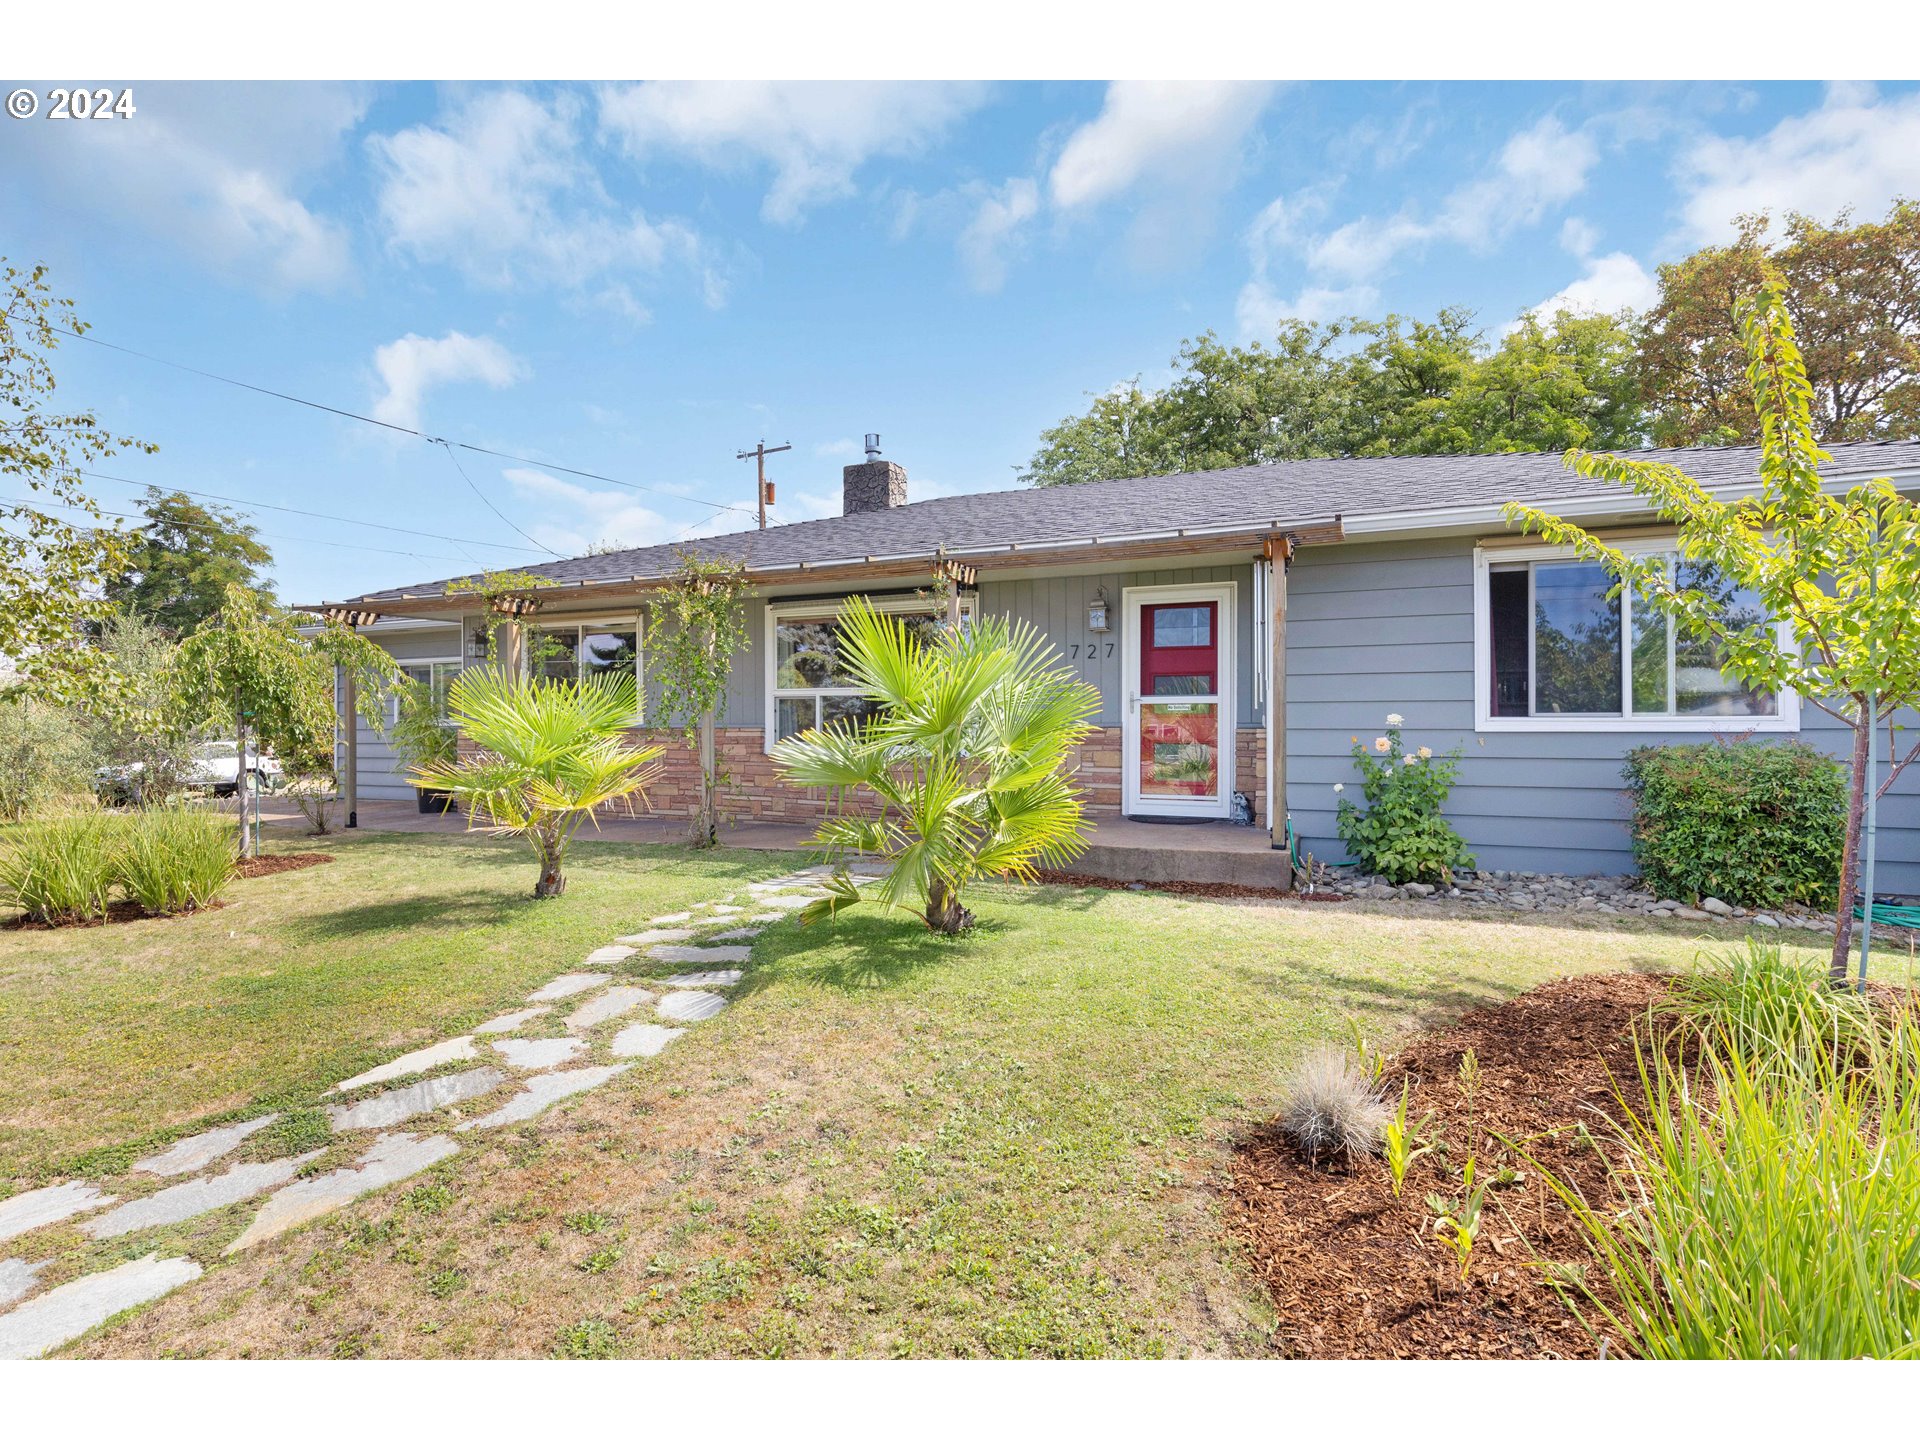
(945, 913)
(240, 789)
(552, 880)
(1858, 779)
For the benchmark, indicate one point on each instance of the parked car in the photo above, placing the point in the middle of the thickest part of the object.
(215, 766)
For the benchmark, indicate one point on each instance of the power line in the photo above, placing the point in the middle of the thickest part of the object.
(389, 425)
(309, 514)
(32, 507)
(490, 505)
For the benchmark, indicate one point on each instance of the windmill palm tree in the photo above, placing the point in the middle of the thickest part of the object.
(963, 757)
(550, 754)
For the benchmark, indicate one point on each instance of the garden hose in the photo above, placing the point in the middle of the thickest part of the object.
(1907, 917)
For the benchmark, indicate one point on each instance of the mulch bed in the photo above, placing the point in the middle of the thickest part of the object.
(256, 865)
(126, 912)
(1357, 1274)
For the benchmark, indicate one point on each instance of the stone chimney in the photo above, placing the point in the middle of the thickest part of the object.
(875, 484)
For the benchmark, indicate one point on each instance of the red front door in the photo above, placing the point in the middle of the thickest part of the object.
(1178, 755)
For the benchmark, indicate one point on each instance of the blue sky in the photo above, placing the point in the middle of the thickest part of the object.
(641, 280)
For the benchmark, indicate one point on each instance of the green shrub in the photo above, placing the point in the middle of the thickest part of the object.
(60, 871)
(1764, 1203)
(1400, 835)
(46, 758)
(172, 860)
(1761, 1002)
(1754, 824)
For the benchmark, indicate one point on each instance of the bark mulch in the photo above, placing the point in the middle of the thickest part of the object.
(254, 866)
(1357, 1274)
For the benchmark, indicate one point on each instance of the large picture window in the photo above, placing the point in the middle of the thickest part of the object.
(808, 685)
(436, 675)
(574, 650)
(1554, 651)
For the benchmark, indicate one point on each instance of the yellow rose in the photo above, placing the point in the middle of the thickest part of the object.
(1382, 744)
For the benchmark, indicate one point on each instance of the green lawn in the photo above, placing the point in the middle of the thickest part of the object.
(890, 1144)
(111, 1036)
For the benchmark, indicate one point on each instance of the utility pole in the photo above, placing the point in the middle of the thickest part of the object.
(763, 492)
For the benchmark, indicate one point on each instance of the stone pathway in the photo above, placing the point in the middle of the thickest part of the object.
(565, 1054)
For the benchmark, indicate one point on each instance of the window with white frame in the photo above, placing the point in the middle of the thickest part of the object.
(1553, 650)
(577, 649)
(437, 676)
(808, 686)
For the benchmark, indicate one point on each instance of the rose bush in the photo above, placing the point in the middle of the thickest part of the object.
(1400, 834)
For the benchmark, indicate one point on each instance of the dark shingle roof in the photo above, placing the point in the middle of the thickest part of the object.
(1293, 492)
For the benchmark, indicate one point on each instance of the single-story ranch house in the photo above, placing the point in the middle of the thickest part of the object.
(1206, 607)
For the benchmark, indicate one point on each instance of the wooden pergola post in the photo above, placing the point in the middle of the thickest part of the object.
(350, 722)
(1279, 554)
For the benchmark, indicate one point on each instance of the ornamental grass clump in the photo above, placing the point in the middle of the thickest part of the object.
(171, 860)
(60, 872)
(1761, 1002)
(1331, 1108)
(1400, 835)
(1764, 1198)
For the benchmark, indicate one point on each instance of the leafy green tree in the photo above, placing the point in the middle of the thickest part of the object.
(695, 626)
(1560, 383)
(46, 757)
(51, 569)
(181, 561)
(148, 734)
(1842, 570)
(1117, 438)
(251, 667)
(1853, 295)
(1410, 378)
(964, 761)
(548, 755)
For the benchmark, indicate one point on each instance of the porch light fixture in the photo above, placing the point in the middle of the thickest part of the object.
(479, 644)
(1097, 611)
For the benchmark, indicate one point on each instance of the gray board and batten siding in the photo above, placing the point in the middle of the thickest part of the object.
(1387, 627)
(381, 773)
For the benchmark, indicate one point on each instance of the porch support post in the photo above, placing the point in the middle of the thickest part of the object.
(350, 724)
(1279, 552)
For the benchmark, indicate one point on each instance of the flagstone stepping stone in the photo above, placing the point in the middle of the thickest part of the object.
(17, 1279)
(77, 1306)
(390, 1159)
(745, 932)
(610, 955)
(539, 1054)
(726, 909)
(701, 954)
(48, 1206)
(767, 917)
(377, 1112)
(565, 985)
(197, 1197)
(543, 1091)
(702, 979)
(788, 902)
(412, 1063)
(198, 1151)
(644, 1040)
(614, 1000)
(504, 1023)
(691, 1005)
(673, 919)
(654, 937)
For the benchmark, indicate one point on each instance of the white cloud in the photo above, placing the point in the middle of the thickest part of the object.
(1538, 169)
(1578, 236)
(1169, 132)
(503, 190)
(413, 365)
(838, 450)
(815, 135)
(574, 517)
(1856, 150)
(1260, 308)
(1611, 283)
(216, 170)
(987, 243)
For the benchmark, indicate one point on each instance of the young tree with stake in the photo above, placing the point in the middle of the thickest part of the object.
(1842, 572)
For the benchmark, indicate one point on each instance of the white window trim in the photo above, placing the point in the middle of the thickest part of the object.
(611, 620)
(1485, 557)
(393, 698)
(826, 610)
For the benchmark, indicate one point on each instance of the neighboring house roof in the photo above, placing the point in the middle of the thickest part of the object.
(1286, 494)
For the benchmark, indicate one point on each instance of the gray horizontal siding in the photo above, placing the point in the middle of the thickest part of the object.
(1388, 627)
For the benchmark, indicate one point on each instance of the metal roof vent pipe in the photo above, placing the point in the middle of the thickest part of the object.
(875, 484)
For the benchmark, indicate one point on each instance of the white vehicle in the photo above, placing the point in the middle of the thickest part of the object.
(215, 766)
